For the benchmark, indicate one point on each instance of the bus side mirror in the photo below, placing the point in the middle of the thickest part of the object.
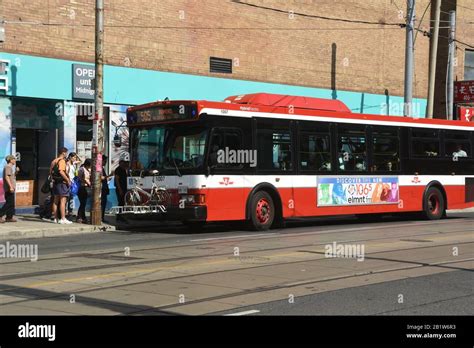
(117, 141)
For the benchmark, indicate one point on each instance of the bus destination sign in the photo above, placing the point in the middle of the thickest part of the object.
(162, 113)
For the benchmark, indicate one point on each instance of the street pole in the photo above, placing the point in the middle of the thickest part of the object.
(433, 56)
(452, 52)
(408, 98)
(98, 123)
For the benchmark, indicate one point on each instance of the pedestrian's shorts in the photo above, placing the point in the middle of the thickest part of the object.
(61, 190)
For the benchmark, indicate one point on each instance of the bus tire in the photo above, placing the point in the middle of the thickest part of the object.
(262, 211)
(434, 206)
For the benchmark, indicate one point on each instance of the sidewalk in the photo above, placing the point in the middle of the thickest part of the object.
(31, 226)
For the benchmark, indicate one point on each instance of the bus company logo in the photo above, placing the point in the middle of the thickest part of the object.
(226, 181)
(416, 180)
(248, 108)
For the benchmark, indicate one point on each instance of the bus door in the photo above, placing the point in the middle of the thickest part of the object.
(226, 162)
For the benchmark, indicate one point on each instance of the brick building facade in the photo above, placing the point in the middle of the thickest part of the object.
(352, 50)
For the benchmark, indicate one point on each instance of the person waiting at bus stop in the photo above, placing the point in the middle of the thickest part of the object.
(61, 185)
(120, 176)
(104, 187)
(9, 186)
(73, 162)
(84, 190)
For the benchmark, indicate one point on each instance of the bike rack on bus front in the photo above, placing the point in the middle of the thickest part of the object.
(145, 209)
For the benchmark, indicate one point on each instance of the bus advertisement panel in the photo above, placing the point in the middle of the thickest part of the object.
(350, 190)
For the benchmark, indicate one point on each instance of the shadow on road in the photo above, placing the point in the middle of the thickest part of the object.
(228, 226)
(28, 295)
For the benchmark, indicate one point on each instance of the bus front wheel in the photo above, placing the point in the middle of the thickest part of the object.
(262, 211)
(434, 206)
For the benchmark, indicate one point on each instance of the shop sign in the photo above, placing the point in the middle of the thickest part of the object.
(466, 114)
(3, 74)
(22, 187)
(82, 81)
(463, 91)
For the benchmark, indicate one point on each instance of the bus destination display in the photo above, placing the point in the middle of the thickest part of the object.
(161, 113)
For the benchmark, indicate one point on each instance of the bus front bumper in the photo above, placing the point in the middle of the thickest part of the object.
(189, 213)
(192, 213)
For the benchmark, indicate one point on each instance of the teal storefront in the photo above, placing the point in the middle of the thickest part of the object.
(38, 111)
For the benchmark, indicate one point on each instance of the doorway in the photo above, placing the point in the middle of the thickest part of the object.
(36, 148)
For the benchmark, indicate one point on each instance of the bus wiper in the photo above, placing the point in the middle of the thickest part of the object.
(176, 166)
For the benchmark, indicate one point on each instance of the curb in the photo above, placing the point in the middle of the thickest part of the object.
(56, 232)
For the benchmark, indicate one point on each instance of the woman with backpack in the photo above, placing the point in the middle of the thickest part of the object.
(84, 190)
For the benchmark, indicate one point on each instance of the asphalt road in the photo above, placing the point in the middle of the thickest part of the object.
(403, 267)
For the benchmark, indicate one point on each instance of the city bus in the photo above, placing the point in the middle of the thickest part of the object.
(264, 158)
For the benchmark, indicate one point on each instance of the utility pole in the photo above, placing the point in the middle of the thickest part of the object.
(433, 56)
(98, 125)
(408, 100)
(450, 79)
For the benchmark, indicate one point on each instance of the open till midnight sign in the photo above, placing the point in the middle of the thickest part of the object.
(83, 81)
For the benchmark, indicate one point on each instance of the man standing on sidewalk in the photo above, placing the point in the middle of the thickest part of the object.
(9, 186)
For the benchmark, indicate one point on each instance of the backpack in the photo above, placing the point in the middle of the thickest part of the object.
(55, 173)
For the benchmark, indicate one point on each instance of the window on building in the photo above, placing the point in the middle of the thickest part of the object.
(352, 148)
(469, 65)
(386, 149)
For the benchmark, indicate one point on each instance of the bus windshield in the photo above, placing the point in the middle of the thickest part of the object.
(169, 149)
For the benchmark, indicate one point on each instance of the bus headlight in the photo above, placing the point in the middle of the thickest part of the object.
(194, 199)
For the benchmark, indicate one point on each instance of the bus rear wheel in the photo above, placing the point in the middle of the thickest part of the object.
(434, 206)
(262, 211)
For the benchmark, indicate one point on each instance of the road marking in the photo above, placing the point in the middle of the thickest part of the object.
(233, 237)
(253, 311)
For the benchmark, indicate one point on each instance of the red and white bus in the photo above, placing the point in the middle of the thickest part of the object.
(265, 158)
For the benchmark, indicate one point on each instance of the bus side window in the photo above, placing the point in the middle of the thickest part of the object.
(425, 142)
(274, 145)
(315, 152)
(226, 149)
(386, 149)
(352, 148)
(457, 144)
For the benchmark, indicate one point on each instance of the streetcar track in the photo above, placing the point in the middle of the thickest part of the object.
(303, 283)
(256, 290)
(76, 254)
(185, 258)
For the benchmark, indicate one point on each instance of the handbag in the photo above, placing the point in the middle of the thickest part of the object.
(75, 185)
(48, 185)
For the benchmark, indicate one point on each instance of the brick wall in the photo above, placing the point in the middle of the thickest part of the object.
(270, 46)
